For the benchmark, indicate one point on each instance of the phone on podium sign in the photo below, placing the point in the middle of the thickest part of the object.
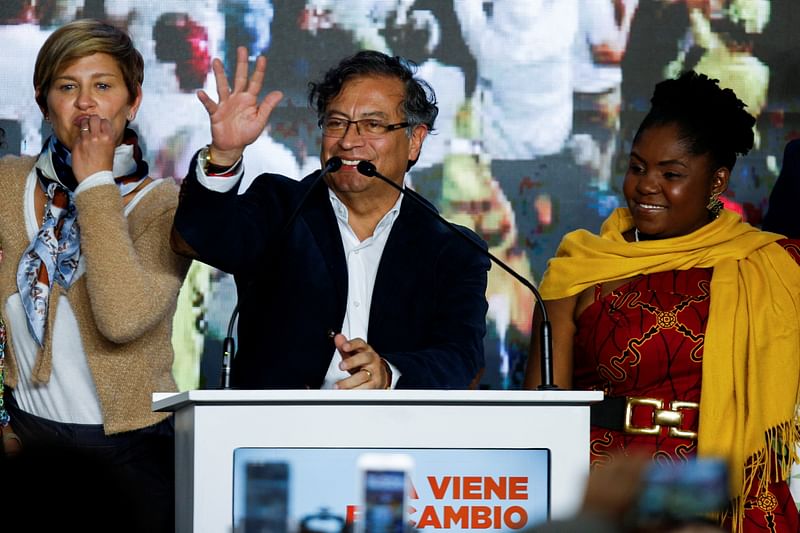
(383, 488)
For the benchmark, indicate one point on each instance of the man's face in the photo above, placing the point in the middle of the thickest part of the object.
(377, 98)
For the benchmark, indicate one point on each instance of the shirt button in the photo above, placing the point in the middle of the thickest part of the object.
(356, 303)
(356, 251)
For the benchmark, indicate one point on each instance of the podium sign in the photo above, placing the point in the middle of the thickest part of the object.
(482, 459)
(282, 490)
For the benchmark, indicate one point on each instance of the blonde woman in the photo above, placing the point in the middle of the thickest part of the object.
(88, 288)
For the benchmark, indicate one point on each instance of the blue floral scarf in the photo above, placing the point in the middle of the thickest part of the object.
(54, 253)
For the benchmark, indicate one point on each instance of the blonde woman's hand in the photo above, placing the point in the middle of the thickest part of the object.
(12, 444)
(93, 150)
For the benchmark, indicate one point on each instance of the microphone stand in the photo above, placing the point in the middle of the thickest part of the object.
(229, 344)
(228, 350)
(545, 337)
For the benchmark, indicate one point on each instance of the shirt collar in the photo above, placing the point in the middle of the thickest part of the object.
(342, 214)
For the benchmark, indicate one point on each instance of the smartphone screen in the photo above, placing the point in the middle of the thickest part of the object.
(384, 498)
(266, 498)
(684, 490)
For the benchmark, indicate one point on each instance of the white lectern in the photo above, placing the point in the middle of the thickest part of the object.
(211, 424)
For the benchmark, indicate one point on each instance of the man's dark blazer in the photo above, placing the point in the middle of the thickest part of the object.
(428, 308)
(782, 215)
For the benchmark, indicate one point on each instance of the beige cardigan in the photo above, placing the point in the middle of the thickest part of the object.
(123, 303)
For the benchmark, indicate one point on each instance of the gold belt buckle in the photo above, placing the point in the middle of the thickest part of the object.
(676, 431)
(671, 418)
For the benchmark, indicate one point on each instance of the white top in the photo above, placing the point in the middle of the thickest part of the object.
(363, 258)
(597, 26)
(524, 54)
(70, 396)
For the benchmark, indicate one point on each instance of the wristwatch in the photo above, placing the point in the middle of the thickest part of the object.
(212, 169)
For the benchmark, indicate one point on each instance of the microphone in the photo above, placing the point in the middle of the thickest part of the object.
(545, 338)
(229, 344)
(331, 165)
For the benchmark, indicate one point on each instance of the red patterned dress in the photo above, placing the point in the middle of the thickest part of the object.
(645, 340)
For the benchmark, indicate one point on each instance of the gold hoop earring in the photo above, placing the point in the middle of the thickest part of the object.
(714, 205)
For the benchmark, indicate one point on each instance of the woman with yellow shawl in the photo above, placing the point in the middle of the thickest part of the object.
(687, 317)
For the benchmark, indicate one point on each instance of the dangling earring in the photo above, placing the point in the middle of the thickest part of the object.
(714, 205)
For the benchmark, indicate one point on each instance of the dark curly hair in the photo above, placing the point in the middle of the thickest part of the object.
(711, 120)
(419, 104)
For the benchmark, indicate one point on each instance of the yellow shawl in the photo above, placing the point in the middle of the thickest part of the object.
(751, 351)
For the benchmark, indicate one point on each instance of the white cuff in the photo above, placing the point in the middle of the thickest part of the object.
(395, 374)
(217, 183)
(104, 177)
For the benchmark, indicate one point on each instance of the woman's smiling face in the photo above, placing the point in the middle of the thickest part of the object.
(666, 187)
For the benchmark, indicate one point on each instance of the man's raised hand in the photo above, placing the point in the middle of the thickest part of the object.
(237, 119)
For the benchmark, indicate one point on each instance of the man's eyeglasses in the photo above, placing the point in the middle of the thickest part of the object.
(369, 128)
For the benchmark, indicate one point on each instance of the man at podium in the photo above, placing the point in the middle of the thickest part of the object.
(342, 283)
